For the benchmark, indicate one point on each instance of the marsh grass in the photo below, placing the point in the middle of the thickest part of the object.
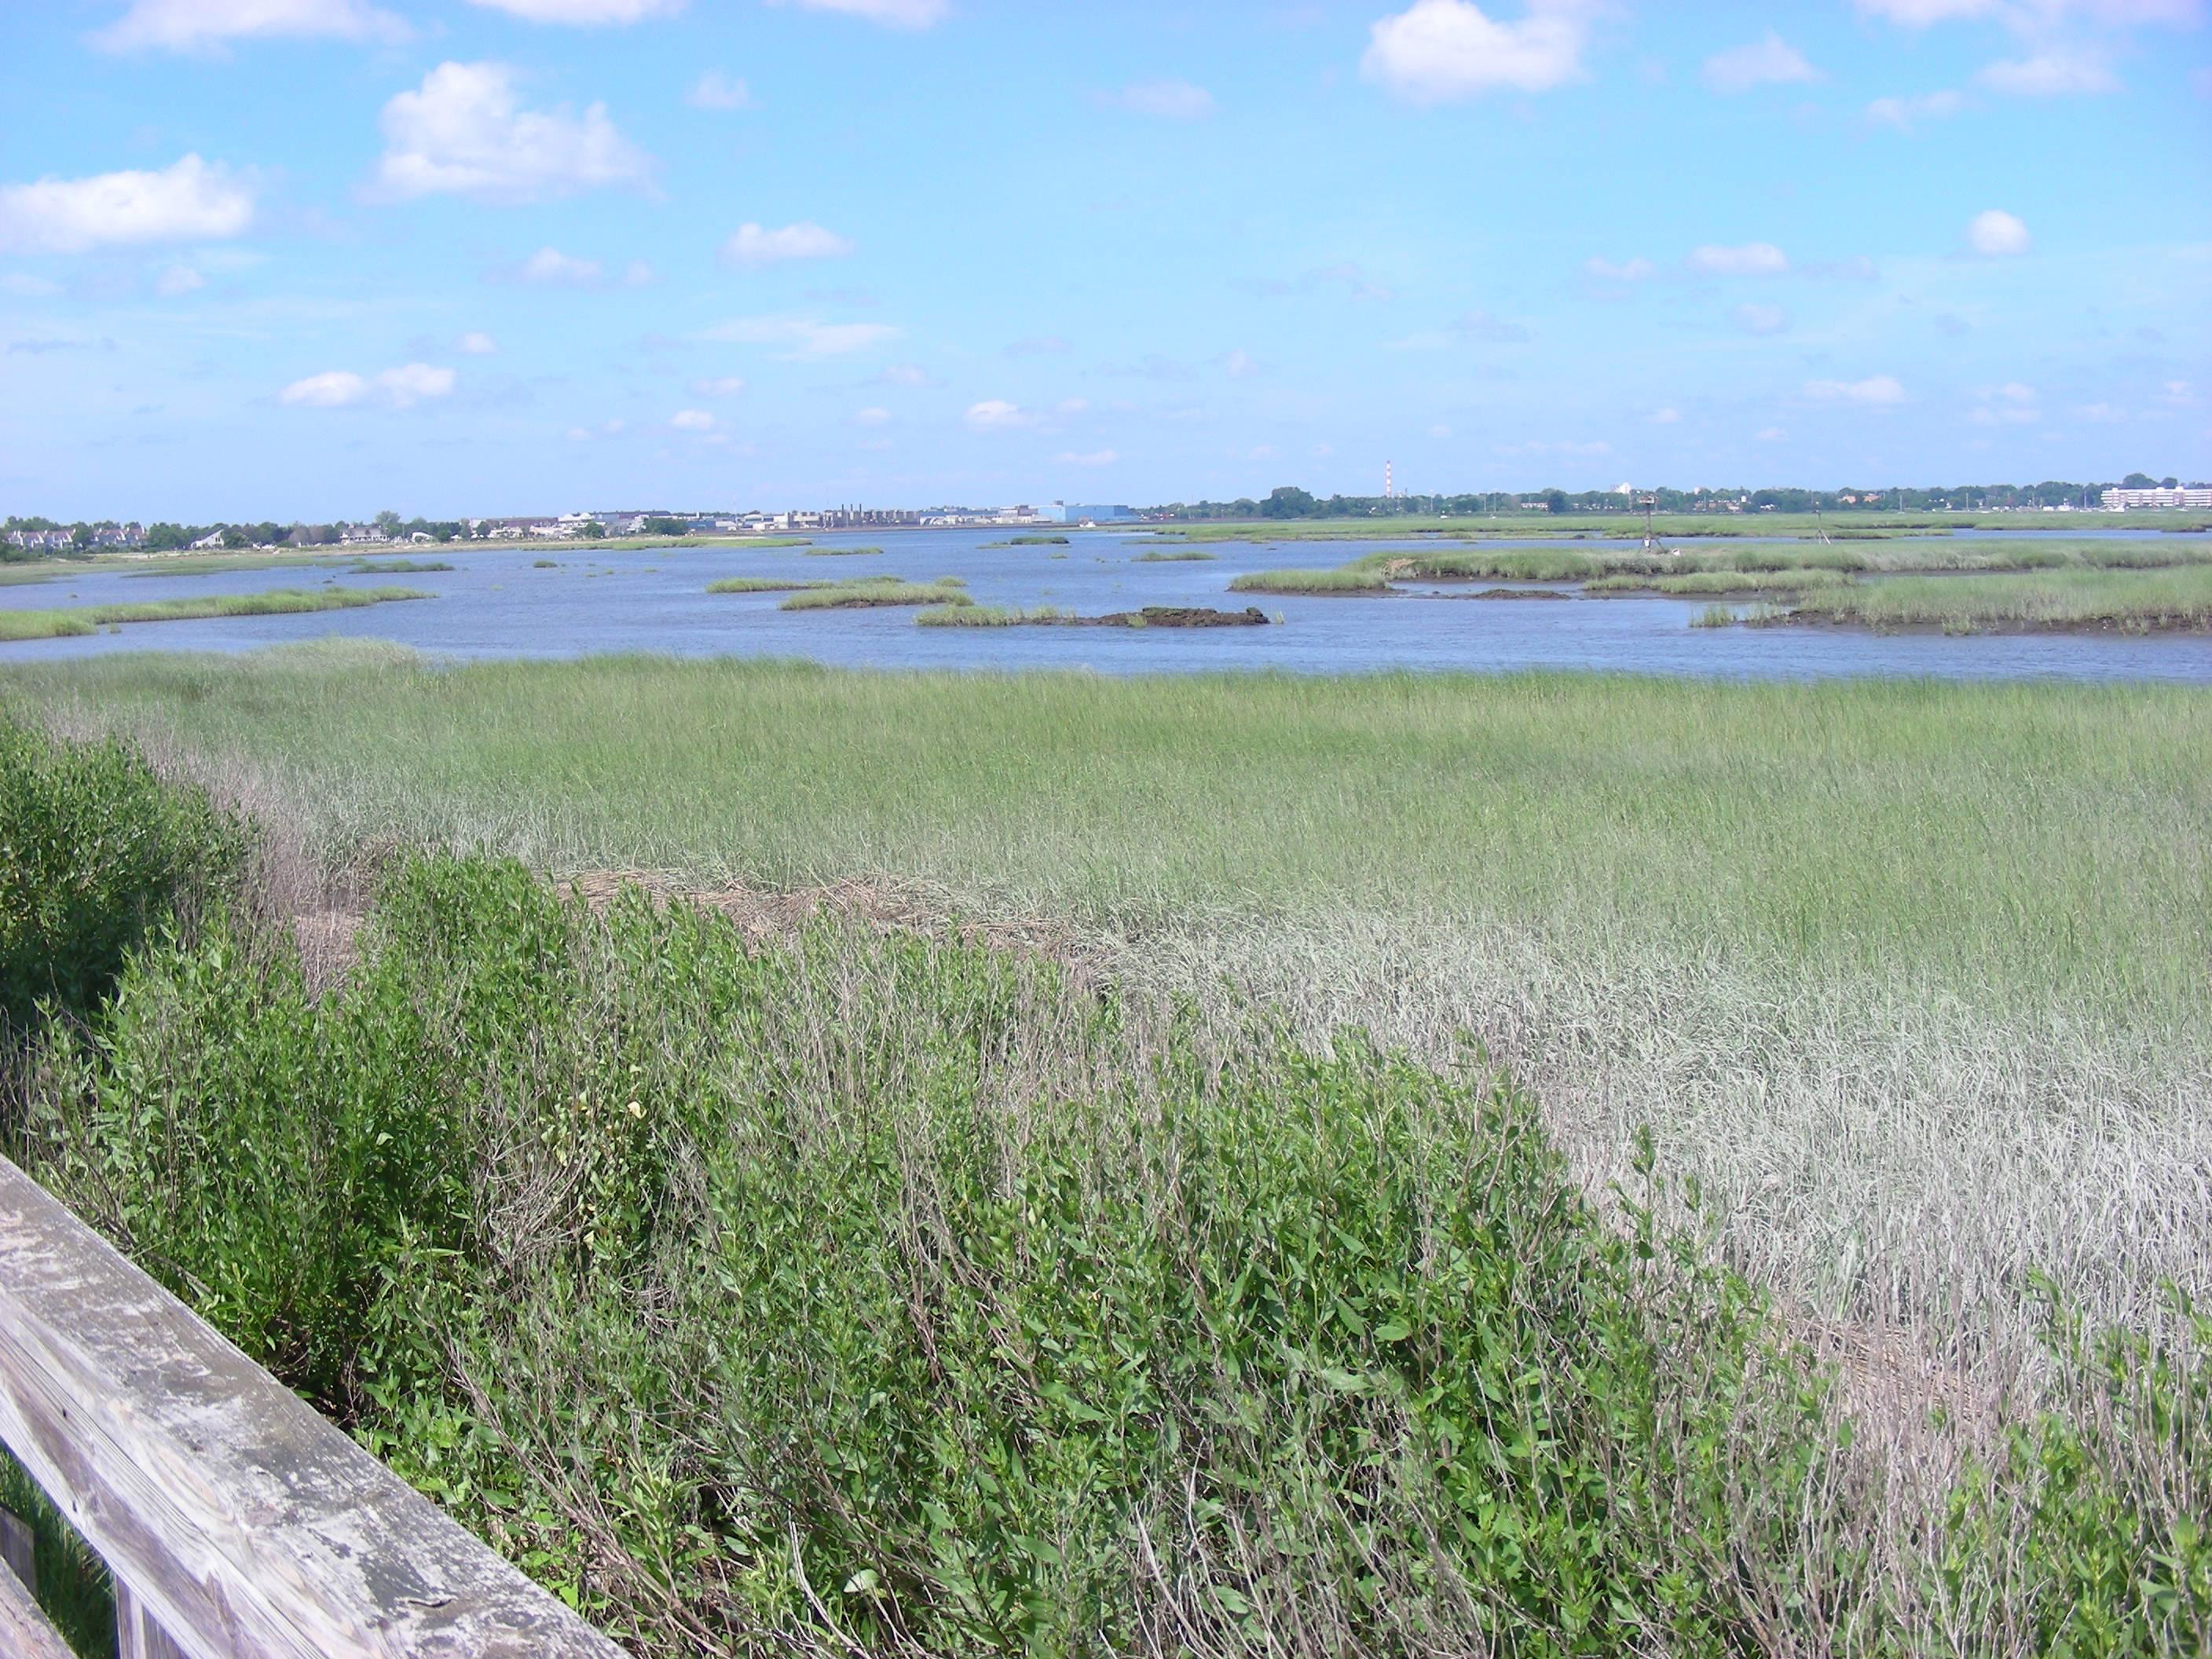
(1714, 616)
(2128, 599)
(1697, 583)
(1173, 556)
(1347, 580)
(990, 616)
(398, 567)
(842, 552)
(880, 590)
(278, 602)
(216, 564)
(766, 583)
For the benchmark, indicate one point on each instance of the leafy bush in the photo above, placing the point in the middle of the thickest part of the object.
(94, 850)
(901, 1287)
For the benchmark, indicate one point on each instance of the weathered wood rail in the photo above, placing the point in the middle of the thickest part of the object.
(236, 1522)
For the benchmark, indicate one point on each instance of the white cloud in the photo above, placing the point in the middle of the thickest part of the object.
(1768, 62)
(1567, 446)
(476, 343)
(550, 268)
(1071, 406)
(1906, 114)
(332, 390)
(411, 383)
(996, 415)
(874, 415)
(178, 280)
(720, 385)
(22, 286)
(1666, 417)
(204, 25)
(1771, 434)
(2054, 73)
(2010, 404)
(1438, 50)
(585, 11)
(1877, 391)
(715, 90)
(904, 374)
(1633, 271)
(1752, 260)
(1240, 365)
(751, 246)
(1919, 14)
(1089, 457)
(462, 133)
(891, 14)
(1996, 234)
(2102, 414)
(801, 337)
(1440, 430)
(1759, 319)
(401, 388)
(692, 420)
(190, 200)
(1170, 100)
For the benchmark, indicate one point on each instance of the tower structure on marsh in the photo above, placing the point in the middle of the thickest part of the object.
(1389, 485)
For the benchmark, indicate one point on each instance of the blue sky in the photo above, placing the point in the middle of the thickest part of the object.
(314, 258)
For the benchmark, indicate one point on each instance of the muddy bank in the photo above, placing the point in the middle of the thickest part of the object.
(1167, 615)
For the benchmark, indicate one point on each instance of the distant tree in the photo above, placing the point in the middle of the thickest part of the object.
(233, 537)
(659, 525)
(168, 538)
(268, 533)
(2169, 483)
(1287, 501)
(81, 537)
(2138, 481)
(594, 530)
(1556, 500)
(387, 524)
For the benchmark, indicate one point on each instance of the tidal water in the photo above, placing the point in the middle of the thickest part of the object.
(495, 604)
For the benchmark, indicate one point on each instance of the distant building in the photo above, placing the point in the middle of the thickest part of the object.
(1070, 513)
(2121, 500)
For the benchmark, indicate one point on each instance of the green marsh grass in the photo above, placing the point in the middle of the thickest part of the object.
(990, 616)
(1346, 581)
(765, 584)
(1174, 556)
(2128, 599)
(278, 602)
(1911, 976)
(398, 567)
(841, 552)
(216, 564)
(880, 590)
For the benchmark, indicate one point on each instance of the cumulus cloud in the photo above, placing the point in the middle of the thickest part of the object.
(584, 11)
(801, 337)
(1439, 51)
(1088, 457)
(1771, 434)
(1996, 234)
(1760, 320)
(1632, 271)
(1876, 391)
(751, 246)
(1666, 417)
(1170, 100)
(2010, 404)
(550, 268)
(1240, 365)
(464, 133)
(891, 14)
(996, 415)
(476, 343)
(1919, 14)
(1039, 345)
(719, 385)
(206, 25)
(904, 374)
(402, 387)
(178, 280)
(1768, 62)
(715, 90)
(874, 415)
(692, 420)
(1488, 330)
(1752, 260)
(1565, 448)
(1908, 114)
(190, 200)
(2053, 74)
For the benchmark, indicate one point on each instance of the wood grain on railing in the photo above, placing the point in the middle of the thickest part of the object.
(237, 1524)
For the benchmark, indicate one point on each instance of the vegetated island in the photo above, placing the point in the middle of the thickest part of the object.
(1031, 541)
(1152, 615)
(841, 552)
(1173, 556)
(874, 592)
(278, 602)
(1953, 585)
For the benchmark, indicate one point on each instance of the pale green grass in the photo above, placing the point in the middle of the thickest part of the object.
(1915, 977)
(880, 590)
(398, 567)
(2136, 600)
(841, 552)
(1345, 580)
(278, 602)
(217, 564)
(1500, 564)
(1173, 556)
(764, 584)
(19, 576)
(972, 615)
(1697, 584)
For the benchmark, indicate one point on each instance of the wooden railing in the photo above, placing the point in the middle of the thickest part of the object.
(235, 1522)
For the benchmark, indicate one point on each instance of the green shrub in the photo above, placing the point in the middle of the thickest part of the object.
(896, 1274)
(95, 850)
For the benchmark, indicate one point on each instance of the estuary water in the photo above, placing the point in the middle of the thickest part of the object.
(497, 603)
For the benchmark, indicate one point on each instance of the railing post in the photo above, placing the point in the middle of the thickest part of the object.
(136, 1635)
